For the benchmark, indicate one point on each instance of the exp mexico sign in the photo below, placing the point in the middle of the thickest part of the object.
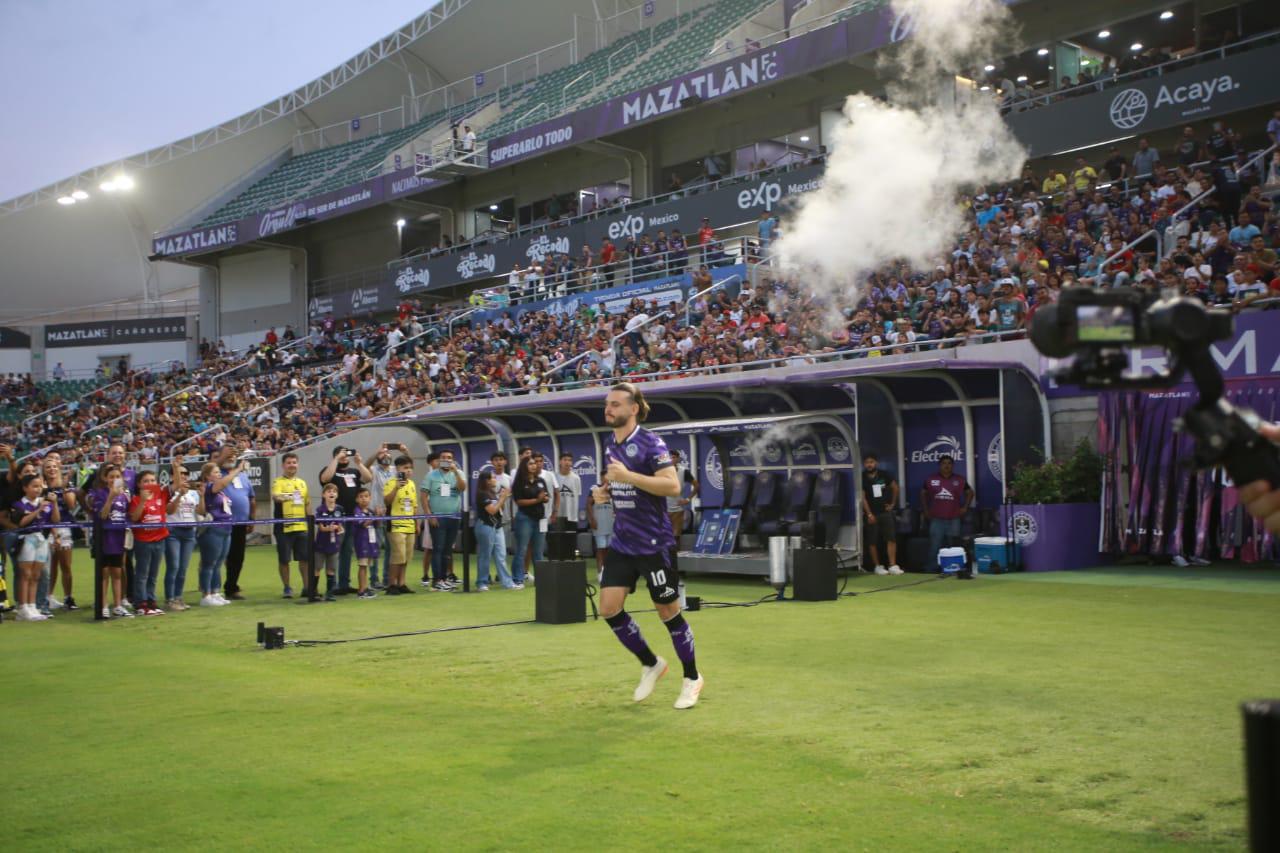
(729, 205)
(1149, 104)
(115, 332)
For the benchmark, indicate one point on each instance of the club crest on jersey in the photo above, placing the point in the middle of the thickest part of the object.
(632, 450)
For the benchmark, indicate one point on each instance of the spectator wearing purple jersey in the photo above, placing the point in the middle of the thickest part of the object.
(32, 514)
(945, 498)
(215, 539)
(366, 535)
(110, 500)
(329, 536)
(641, 476)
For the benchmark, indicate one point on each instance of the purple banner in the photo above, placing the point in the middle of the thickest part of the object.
(987, 470)
(1252, 353)
(262, 225)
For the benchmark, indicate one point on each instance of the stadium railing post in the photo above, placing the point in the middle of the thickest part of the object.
(311, 582)
(465, 538)
(96, 546)
(1262, 772)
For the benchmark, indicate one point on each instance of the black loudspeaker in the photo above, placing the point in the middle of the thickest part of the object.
(561, 544)
(813, 573)
(561, 592)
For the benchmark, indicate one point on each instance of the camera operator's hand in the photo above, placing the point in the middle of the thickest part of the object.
(1260, 498)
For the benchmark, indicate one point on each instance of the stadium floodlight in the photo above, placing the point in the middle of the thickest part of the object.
(493, 207)
(1044, 51)
(66, 199)
(1022, 78)
(1166, 14)
(1104, 34)
(108, 186)
(400, 223)
(124, 182)
(984, 88)
(804, 139)
(1136, 46)
(988, 67)
(79, 195)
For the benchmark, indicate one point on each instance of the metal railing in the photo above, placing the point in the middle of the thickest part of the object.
(1098, 85)
(1153, 232)
(921, 343)
(173, 447)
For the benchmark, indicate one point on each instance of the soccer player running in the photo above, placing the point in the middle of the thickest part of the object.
(641, 476)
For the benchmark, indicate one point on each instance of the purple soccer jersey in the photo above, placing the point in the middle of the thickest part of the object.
(328, 541)
(113, 526)
(24, 506)
(640, 523)
(218, 505)
(366, 536)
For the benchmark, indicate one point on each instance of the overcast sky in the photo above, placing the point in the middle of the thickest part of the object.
(90, 81)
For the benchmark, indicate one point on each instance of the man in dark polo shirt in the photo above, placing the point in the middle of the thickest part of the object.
(879, 497)
(347, 471)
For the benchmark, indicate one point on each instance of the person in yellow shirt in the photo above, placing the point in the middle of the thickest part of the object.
(1083, 175)
(289, 494)
(401, 498)
(1054, 182)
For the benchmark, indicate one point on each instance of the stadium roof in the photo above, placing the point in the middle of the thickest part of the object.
(96, 252)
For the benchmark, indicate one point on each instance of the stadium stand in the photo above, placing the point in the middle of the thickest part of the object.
(1026, 241)
(638, 59)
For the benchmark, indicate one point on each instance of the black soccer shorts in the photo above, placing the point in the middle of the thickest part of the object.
(625, 570)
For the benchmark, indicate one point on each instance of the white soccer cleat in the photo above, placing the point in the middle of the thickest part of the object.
(649, 676)
(690, 690)
(1180, 561)
(895, 569)
(881, 570)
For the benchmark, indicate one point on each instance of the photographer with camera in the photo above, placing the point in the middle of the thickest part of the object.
(347, 471)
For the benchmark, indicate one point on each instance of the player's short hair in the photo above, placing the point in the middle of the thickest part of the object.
(403, 460)
(432, 457)
(566, 455)
(288, 456)
(362, 491)
(946, 458)
(497, 454)
(870, 456)
(637, 397)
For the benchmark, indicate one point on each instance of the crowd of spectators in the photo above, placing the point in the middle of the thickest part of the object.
(1025, 241)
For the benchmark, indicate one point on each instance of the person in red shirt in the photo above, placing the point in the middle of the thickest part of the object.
(148, 506)
(945, 499)
(607, 255)
(272, 339)
(706, 239)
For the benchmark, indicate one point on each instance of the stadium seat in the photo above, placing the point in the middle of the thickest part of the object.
(828, 507)
(739, 491)
(763, 508)
(794, 513)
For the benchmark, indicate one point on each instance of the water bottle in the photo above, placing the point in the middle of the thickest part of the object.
(681, 595)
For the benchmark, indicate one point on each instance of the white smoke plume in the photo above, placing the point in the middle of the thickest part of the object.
(895, 170)
(785, 434)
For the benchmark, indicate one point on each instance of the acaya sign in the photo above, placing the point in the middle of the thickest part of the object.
(1148, 104)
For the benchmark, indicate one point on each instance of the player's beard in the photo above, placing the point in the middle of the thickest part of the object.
(620, 422)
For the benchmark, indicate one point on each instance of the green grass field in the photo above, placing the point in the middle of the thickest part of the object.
(1083, 711)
